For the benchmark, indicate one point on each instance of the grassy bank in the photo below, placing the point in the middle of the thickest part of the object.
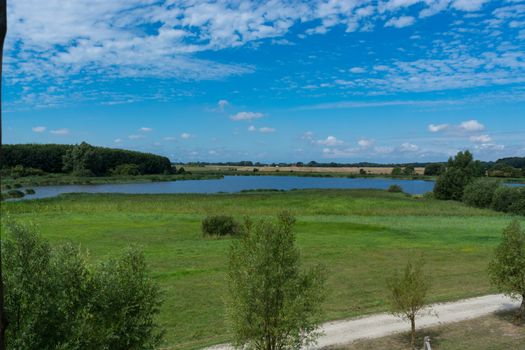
(65, 179)
(360, 235)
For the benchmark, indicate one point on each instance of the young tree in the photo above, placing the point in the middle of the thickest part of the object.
(55, 300)
(507, 268)
(408, 294)
(273, 305)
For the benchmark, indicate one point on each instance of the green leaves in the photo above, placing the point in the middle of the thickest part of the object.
(56, 300)
(507, 268)
(273, 304)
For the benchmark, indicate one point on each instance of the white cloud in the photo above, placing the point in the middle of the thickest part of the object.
(409, 147)
(145, 129)
(39, 129)
(246, 116)
(471, 126)
(169, 138)
(357, 70)
(469, 5)
(186, 136)
(438, 127)
(481, 139)
(365, 143)
(330, 141)
(118, 141)
(60, 131)
(136, 137)
(400, 22)
(222, 104)
(266, 130)
(252, 128)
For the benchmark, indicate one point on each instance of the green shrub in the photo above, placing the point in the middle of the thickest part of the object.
(480, 192)
(15, 194)
(509, 200)
(395, 189)
(220, 225)
(397, 171)
(30, 191)
(17, 185)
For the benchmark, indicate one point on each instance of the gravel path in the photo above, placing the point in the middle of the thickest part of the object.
(380, 325)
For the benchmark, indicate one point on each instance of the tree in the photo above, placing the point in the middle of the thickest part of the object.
(273, 305)
(507, 268)
(459, 172)
(3, 31)
(56, 300)
(397, 171)
(82, 160)
(408, 294)
(409, 170)
(434, 169)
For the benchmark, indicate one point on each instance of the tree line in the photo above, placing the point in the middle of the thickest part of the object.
(82, 159)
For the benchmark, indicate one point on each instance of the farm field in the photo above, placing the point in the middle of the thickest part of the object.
(361, 236)
(316, 170)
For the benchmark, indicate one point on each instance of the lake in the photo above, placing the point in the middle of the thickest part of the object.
(238, 183)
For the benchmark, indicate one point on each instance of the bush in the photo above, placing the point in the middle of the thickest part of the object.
(17, 185)
(54, 299)
(480, 192)
(509, 200)
(429, 195)
(220, 225)
(15, 194)
(30, 191)
(395, 189)
(126, 170)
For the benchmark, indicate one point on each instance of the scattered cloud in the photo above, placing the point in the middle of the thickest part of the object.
(118, 140)
(481, 139)
(249, 116)
(39, 129)
(266, 130)
(409, 147)
(365, 143)
(136, 137)
(357, 70)
(252, 128)
(222, 104)
(169, 138)
(471, 126)
(60, 131)
(400, 22)
(438, 127)
(146, 129)
(330, 141)
(186, 136)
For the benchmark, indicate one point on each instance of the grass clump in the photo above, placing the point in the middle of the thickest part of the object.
(15, 194)
(30, 191)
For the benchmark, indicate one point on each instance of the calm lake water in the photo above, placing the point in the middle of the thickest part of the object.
(237, 184)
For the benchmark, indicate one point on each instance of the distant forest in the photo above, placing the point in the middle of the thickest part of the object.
(515, 162)
(83, 159)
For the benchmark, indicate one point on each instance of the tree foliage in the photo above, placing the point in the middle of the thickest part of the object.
(480, 192)
(83, 158)
(408, 294)
(273, 305)
(509, 199)
(459, 172)
(507, 268)
(55, 300)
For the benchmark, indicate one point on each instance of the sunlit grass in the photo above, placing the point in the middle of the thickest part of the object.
(361, 236)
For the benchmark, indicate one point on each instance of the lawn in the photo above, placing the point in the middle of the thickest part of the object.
(361, 236)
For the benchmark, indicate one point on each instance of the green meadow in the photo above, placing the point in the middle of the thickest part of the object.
(360, 236)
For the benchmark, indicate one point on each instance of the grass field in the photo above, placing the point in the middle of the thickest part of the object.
(361, 236)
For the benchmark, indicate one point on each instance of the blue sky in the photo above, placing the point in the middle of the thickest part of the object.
(343, 81)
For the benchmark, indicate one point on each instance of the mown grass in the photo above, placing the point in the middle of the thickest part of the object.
(361, 236)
